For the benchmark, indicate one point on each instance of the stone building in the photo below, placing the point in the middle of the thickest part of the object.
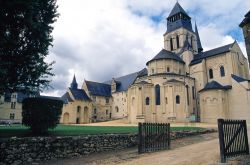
(181, 83)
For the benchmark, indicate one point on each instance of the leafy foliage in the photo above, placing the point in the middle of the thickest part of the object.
(25, 36)
(41, 113)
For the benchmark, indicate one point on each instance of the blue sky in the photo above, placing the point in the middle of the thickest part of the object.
(98, 40)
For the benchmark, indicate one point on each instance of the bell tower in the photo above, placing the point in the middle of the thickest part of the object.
(245, 25)
(179, 29)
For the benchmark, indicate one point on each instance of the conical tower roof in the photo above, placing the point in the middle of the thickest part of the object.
(74, 84)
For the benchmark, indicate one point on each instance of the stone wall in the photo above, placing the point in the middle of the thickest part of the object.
(34, 149)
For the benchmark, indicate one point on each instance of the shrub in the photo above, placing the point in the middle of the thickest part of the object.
(41, 113)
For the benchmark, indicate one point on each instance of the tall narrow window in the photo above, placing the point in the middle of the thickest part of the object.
(187, 94)
(211, 75)
(171, 44)
(157, 95)
(168, 69)
(147, 100)
(222, 71)
(177, 41)
(191, 41)
(193, 92)
(166, 100)
(177, 99)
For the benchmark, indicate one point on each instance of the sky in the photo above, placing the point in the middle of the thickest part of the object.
(98, 40)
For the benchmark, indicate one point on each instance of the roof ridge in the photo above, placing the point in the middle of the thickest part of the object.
(219, 47)
(96, 82)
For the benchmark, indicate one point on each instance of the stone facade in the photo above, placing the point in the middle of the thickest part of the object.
(182, 82)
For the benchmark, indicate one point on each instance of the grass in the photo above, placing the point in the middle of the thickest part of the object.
(68, 130)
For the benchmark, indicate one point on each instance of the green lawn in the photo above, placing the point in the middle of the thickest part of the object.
(64, 130)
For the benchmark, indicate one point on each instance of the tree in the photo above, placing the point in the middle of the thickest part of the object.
(41, 113)
(25, 37)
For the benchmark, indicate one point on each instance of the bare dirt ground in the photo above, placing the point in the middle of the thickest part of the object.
(130, 156)
(193, 150)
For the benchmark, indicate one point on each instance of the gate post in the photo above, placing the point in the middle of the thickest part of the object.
(221, 140)
(140, 138)
(246, 138)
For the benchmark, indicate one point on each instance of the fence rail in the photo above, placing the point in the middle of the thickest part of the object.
(233, 138)
(153, 137)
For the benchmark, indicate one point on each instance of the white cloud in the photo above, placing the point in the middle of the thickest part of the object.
(98, 40)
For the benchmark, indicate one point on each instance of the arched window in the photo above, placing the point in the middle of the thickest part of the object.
(222, 71)
(166, 100)
(95, 111)
(177, 98)
(147, 100)
(177, 41)
(157, 95)
(171, 44)
(168, 69)
(211, 75)
(116, 109)
(187, 94)
(78, 108)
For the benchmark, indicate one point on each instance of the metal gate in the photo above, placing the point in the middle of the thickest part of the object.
(153, 137)
(233, 138)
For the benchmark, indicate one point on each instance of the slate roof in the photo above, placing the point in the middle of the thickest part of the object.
(199, 46)
(238, 78)
(143, 72)
(74, 84)
(165, 54)
(199, 57)
(177, 9)
(79, 94)
(98, 89)
(20, 96)
(181, 22)
(246, 20)
(125, 81)
(66, 98)
(215, 85)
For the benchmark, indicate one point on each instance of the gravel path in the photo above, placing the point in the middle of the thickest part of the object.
(180, 149)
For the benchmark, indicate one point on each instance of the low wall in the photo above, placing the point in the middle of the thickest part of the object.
(35, 149)
(30, 149)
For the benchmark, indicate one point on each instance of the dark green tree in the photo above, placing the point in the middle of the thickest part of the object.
(41, 113)
(25, 37)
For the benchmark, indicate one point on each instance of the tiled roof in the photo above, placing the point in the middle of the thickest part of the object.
(165, 54)
(79, 94)
(66, 98)
(238, 78)
(199, 57)
(215, 85)
(98, 89)
(125, 81)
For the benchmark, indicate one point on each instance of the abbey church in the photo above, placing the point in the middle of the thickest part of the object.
(181, 83)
